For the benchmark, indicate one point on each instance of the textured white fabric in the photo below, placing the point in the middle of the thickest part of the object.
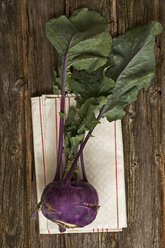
(103, 156)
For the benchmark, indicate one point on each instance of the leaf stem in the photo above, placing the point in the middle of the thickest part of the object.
(62, 109)
(61, 131)
(83, 167)
(70, 172)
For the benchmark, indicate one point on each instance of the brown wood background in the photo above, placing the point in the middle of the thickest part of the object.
(26, 69)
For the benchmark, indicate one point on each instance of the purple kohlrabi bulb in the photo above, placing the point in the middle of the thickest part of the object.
(69, 206)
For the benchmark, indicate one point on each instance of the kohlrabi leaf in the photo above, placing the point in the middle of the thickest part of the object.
(78, 121)
(92, 84)
(82, 41)
(87, 115)
(56, 90)
(92, 90)
(71, 116)
(132, 53)
(71, 136)
(133, 64)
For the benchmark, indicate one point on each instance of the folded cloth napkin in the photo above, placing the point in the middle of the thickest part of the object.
(103, 157)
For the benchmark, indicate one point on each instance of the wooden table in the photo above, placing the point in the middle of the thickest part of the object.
(27, 61)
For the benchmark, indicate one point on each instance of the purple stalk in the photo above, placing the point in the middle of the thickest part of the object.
(69, 175)
(61, 131)
(62, 109)
(70, 172)
(83, 167)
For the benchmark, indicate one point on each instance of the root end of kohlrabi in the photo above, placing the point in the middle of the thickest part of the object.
(38, 208)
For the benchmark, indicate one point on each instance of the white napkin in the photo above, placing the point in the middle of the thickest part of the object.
(103, 157)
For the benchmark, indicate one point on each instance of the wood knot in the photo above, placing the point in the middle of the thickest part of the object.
(18, 87)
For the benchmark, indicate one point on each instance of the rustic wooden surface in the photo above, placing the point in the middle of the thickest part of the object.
(26, 62)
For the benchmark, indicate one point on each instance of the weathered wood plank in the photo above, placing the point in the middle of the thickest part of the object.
(14, 222)
(27, 57)
(162, 80)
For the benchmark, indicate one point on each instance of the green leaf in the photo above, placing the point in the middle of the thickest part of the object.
(61, 114)
(87, 115)
(94, 84)
(92, 90)
(71, 116)
(82, 39)
(56, 90)
(132, 68)
(117, 113)
(78, 121)
(133, 63)
(132, 53)
(75, 141)
(71, 136)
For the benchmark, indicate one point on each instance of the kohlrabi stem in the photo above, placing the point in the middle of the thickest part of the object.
(70, 172)
(61, 131)
(69, 175)
(62, 109)
(83, 167)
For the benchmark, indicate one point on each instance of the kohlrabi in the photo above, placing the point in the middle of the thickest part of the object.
(109, 74)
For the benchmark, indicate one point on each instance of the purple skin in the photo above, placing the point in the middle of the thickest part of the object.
(73, 205)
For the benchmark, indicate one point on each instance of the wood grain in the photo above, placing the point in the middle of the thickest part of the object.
(26, 69)
(14, 212)
(162, 81)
